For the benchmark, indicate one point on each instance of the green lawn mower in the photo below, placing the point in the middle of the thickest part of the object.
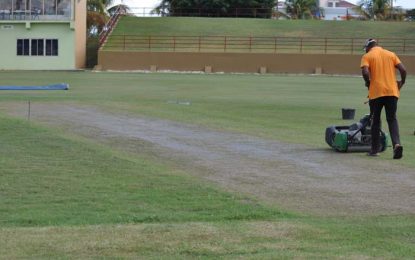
(354, 138)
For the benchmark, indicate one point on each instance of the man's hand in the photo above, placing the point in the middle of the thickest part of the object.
(366, 75)
(402, 71)
(400, 84)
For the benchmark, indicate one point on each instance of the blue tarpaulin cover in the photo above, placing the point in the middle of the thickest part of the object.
(61, 86)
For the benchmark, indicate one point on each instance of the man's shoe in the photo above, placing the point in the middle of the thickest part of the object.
(397, 152)
(372, 154)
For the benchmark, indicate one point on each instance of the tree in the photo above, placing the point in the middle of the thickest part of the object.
(121, 9)
(221, 8)
(380, 10)
(302, 9)
(99, 6)
(410, 15)
(373, 9)
(97, 15)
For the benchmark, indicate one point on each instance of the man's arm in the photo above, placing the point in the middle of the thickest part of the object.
(402, 71)
(366, 75)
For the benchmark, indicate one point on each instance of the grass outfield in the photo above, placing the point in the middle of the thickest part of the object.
(66, 196)
(290, 108)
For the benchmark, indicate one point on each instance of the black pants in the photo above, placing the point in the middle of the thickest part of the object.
(376, 105)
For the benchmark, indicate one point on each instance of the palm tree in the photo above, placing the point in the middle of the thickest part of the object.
(97, 15)
(379, 9)
(215, 7)
(121, 9)
(99, 6)
(301, 9)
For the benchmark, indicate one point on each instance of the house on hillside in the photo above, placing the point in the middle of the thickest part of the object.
(42, 34)
(279, 11)
(338, 10)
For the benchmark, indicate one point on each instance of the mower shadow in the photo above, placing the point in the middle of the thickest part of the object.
(329, 150)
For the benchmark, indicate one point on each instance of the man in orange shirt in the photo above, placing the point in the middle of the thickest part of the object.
(378, 70)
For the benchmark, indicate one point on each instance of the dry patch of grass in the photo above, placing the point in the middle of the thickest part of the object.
(295, 238)
(150, 240)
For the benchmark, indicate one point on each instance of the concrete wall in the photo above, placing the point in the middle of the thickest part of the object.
(237, 62)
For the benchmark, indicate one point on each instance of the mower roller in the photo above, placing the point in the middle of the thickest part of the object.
(355, 137)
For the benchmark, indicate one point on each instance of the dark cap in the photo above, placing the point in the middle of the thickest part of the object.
(370, 42)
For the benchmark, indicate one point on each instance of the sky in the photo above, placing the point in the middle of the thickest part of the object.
(409, 4)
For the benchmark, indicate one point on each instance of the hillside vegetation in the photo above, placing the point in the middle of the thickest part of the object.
(183, 26)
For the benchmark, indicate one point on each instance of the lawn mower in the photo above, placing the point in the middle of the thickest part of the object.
(355, 137)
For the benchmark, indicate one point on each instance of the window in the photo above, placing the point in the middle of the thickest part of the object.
(37, 47)
(22, 47)
(51, 47)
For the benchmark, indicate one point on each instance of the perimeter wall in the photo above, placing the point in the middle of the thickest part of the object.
(345, 64)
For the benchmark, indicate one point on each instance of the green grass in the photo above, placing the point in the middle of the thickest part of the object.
(57, 181)
(278, 107)
(182, 26)
(244, 35)
(64, 196)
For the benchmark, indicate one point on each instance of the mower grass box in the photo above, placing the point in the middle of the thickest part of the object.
(355, 137)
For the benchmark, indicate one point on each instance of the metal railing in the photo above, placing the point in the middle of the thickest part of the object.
(109, 26)
(32, 15)
(306, 45)
(329, 13)
(36, 10)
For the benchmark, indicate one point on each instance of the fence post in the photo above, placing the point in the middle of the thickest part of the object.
(352, 46)
(404, 46)
(200, 42)
(275, 44)
(225, 45)
(250, 43)
(325, 45)
(124, 42)
(301, 45)
(174, 43)
(149, 42)
(28, 111)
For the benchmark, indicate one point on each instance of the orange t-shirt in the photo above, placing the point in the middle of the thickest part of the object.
(382, 70)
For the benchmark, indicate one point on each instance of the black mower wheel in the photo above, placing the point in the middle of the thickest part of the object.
(330, 134)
